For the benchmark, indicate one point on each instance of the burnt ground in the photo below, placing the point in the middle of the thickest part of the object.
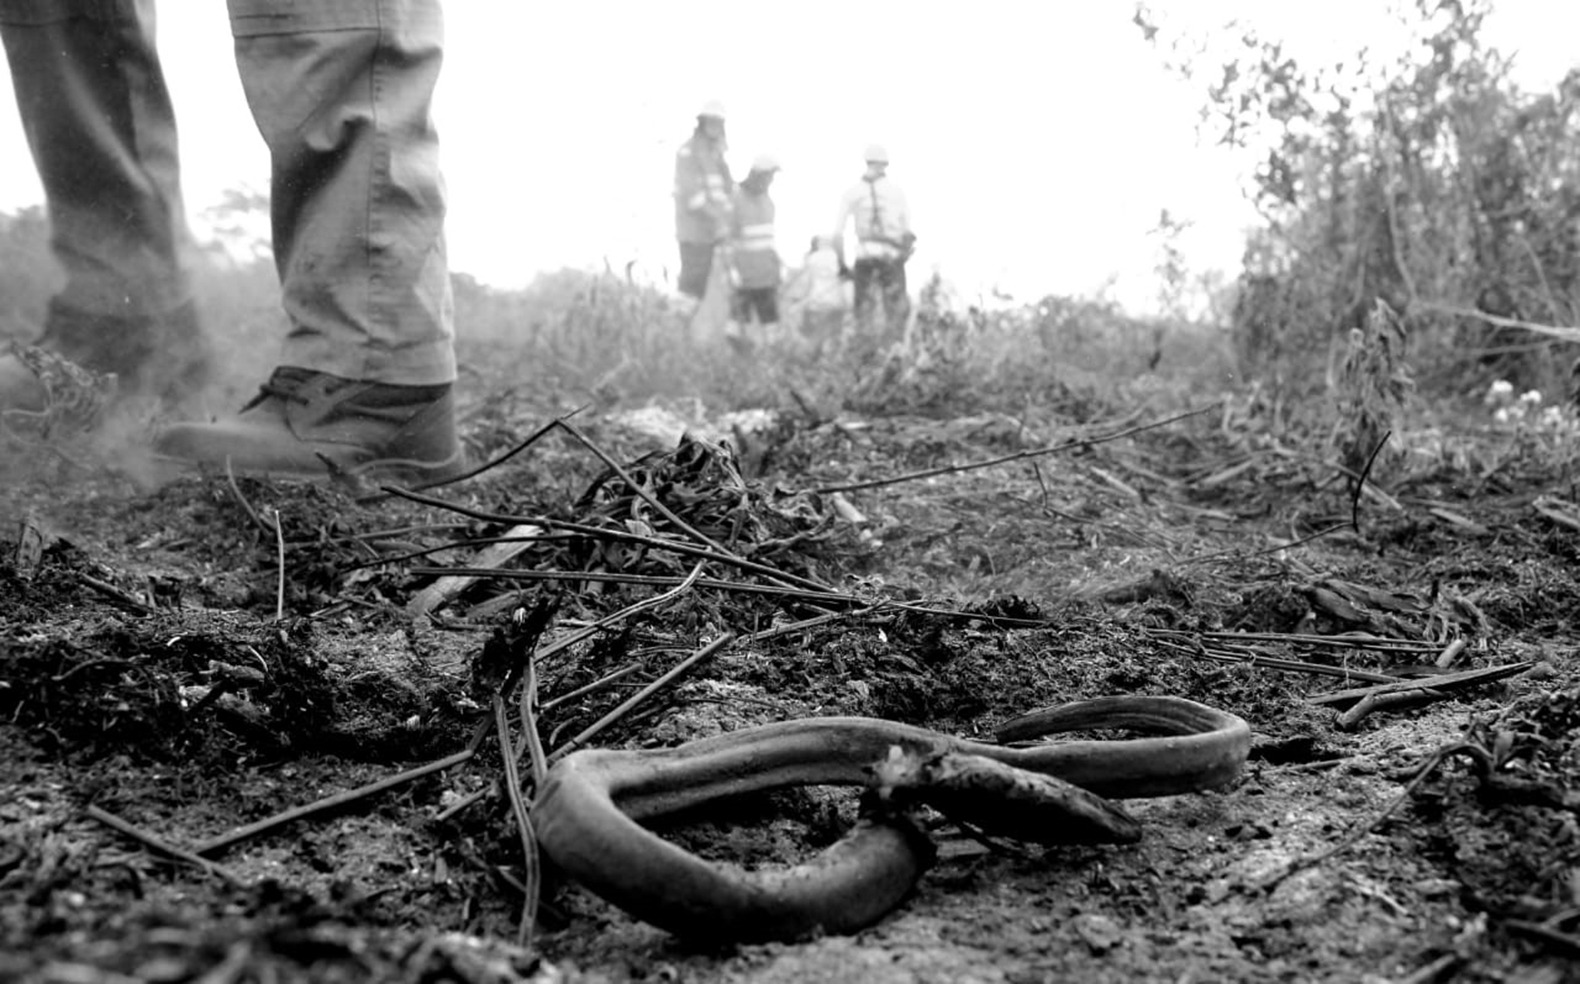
(174, 660)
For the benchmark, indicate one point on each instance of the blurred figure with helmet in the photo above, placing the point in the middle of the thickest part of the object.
(703, 190)
(877, 209)
(756, 271)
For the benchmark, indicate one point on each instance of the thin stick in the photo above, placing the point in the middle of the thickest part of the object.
(163, 847)
(531, 439)
(619, 712)
(1354, 837)
(1566, 333)
(235, 490)
(529, 724)
(529, 843)
(1462, 680)
(1355, 500)
(809, 623)
(602, 683)
(279, 545)
(1545, 933)
(111, 591)
(217, 844)
(601, 533)
(1017, 456)
(1274, 663)
(643, 493)
(1237, 552)
(1306, 638)
(615, 618)
(653, 580)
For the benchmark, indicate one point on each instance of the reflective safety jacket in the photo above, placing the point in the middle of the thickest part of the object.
(752, 239)
(881, 216)
(703, 187)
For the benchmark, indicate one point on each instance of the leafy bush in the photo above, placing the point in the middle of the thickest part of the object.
(1429, 182)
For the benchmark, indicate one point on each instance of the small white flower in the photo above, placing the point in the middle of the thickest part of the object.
(1499, 392)
(1531, 398)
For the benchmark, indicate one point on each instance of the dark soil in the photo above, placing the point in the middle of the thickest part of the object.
(172, 660)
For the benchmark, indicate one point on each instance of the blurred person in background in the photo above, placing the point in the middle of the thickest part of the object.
(754, 256)
(703, 192)
(341, 93)
(876, 209)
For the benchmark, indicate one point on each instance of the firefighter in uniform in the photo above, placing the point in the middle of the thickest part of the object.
(703, 188)
(753, 254)
(884, 241)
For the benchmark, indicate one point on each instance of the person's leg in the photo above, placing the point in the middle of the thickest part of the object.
(766, 303)
(696, 263)
(896, 299)
(342, 94)
(864, 275)
(99, 123)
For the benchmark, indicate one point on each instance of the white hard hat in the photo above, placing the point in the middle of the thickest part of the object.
(876, 154)
(713, 108)
(765, 163)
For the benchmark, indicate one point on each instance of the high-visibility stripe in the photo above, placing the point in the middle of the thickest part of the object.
(757, 229)
(698, 200)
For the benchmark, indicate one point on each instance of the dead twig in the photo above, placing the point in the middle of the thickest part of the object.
(518, 807)
(639, 490)
(530, 440)
(1237, 552)
(1433, 760)
(602, 683)
(621, 536)
(516, 541)
(1017, 456)
(1443, 683)
(1564, 332)
(635, 699)
(1275, 663)
(1547, 934)
(114, 594)
(615, 618)
(279, 548)
(241, 500)
(163, 847)
(651, 580)
(1360, 483)
(216, 844)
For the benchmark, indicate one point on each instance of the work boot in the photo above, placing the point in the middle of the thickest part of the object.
(310, 424)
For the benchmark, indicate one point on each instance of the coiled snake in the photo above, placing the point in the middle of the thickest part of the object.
(586, 814)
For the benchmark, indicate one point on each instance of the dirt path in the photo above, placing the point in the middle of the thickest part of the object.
(145, 674)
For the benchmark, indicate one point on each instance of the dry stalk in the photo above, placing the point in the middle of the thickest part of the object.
(518, 807)
(1085, 442)
(163, 847)
(530, 440)
(621, 536)
(636, 699)
(279, 548)
(639, 490)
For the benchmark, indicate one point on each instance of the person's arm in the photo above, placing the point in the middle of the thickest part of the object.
(837, 238)
(902, 219)
(902, 212)
(691, 185)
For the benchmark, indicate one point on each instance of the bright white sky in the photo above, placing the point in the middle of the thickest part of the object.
(1036, 139)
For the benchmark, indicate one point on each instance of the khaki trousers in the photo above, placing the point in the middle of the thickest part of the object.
(341, 92)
